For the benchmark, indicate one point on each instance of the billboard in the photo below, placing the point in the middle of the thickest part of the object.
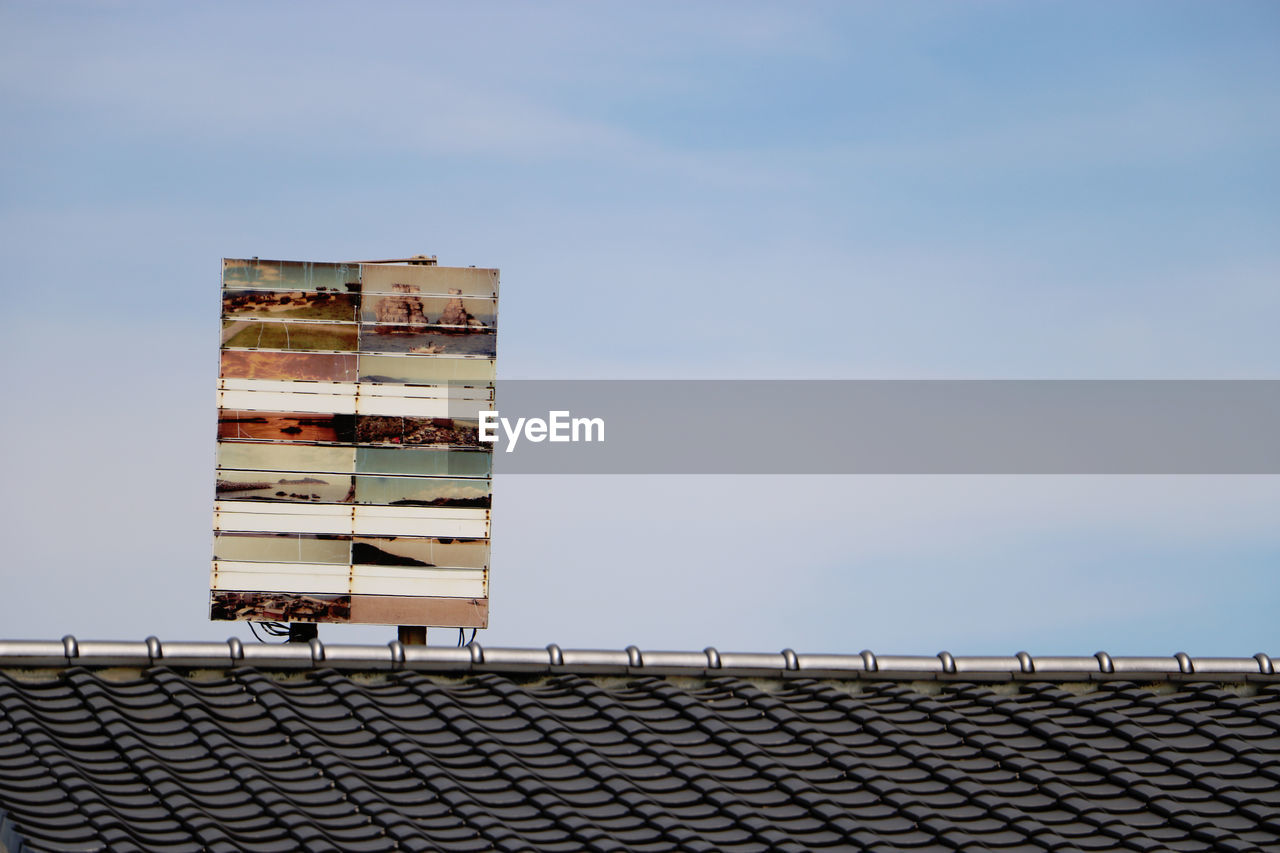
(351, 483)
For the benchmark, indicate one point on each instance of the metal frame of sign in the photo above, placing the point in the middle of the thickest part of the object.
(351, 485)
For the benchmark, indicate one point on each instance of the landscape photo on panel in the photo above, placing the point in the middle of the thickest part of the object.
(429, 280)
(244, 305)
(253, 425)
(282, 456)
(424, 461)
(289, 486)
(420, 551)
(279, 607)
(282, 547)
(406, 322)
(388, 429)
(290, 275)
(351, 485)
(292, 335)
(289, 366)
(403, 369)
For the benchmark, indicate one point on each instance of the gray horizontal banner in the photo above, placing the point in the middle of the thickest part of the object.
(886, 427)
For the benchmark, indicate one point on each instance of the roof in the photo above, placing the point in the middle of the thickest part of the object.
(144, 746)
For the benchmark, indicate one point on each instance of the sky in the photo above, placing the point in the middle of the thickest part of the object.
(716, 190)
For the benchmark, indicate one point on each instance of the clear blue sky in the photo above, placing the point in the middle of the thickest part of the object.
(745, 190)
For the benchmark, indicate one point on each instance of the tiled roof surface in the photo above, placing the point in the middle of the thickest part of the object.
(322, 757)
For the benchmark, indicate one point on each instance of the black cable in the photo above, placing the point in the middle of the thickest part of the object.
(271, 629)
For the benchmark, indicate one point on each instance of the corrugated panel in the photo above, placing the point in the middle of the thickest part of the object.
(288, 386)
(420, 406)
(458, 393)
(394, 580)
(253, 517)
(363, 389)
(339, 401)
(321, 578)
(345, 398)
(421, 521)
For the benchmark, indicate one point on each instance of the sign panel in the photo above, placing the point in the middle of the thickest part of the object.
(351, 482)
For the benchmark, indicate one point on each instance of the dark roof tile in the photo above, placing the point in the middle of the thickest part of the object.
(250, 761)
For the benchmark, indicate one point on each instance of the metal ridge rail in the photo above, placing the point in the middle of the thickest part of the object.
(553, 660)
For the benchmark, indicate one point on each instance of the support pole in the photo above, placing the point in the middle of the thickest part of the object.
(303, 632)
(412, 635)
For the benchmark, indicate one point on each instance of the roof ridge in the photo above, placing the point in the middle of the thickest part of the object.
(552, 659)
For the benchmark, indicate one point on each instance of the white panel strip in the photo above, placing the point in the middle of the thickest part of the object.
(445, 522)
(421, 407)
(272, 508)
(300, 569)
(288, 386)
(332, 404)
(422, 512)
(373, 389)
(282, 577)
(251, 517)
(397, 580)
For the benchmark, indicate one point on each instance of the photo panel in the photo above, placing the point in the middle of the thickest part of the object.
(424, 462)
(282, 548)
(429, 552)
(298, 336)
(420, 610)
(387, 429)
(410, 370)
(290, 305)
(258, 456)
(290, 275)
(285, 426)
(429, 280)
(285, 487)
(418, 340)
(310, 366)
(278, 607)
(407, 309)
(470, 493)
(319, 513)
